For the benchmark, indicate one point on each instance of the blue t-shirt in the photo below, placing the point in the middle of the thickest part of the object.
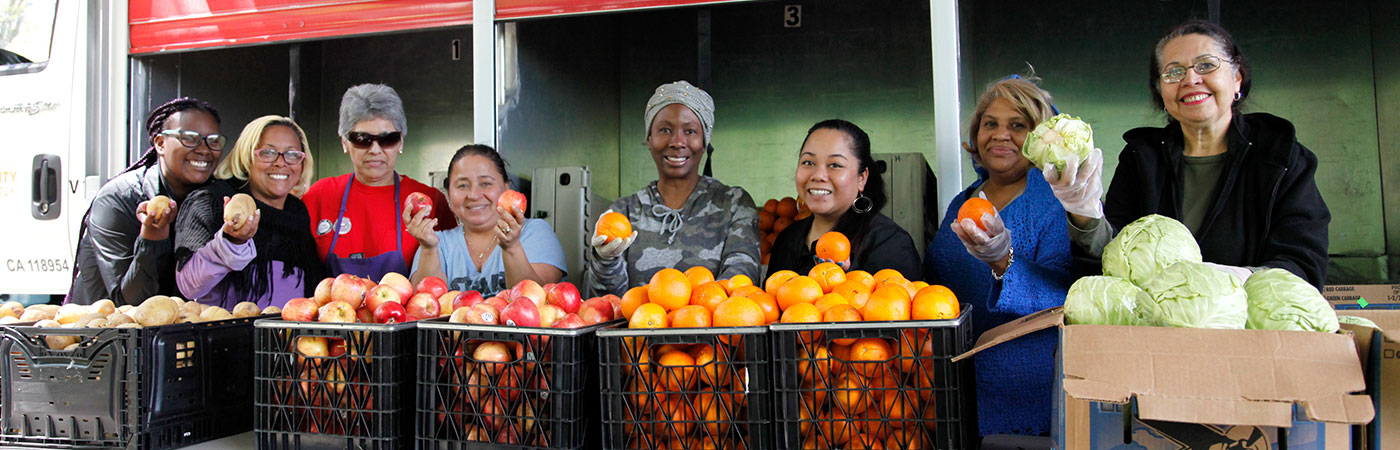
(537, 237)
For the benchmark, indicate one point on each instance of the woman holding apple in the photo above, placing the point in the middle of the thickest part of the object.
(1009, 258)
(268, 258)
(682, 219)
(495, 246)
(356, 217)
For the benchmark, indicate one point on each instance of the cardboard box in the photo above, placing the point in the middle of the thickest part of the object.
(1177, 388)
(1377, 296)
(1380, 355)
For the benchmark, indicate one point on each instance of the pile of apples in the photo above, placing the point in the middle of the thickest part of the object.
(349, 299)
(528, 304)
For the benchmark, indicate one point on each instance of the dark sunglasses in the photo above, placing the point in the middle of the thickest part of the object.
(362, 139)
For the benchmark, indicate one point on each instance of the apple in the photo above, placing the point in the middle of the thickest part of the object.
(323, 292)
(390, 312)
(596, 311)
(417, 202)
(336, 312)
(511, 200)
(480, 314)
(493, 355)
(315, 347)
(465, 299)
(348, 288)
(337, 347)
(422, 306)
(445, 303)
(380, 295)
(570, 320)
(549, 314)
(521, 313)
(434, 286)
(300, 310)
(616, 304)
(529, 289)
(399, 282)
(565, 296)
(498, 302)
(364, 315)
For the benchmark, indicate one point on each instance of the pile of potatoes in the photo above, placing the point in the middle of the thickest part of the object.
(155, 311)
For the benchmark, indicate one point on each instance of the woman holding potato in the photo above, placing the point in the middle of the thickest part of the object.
(247, 238)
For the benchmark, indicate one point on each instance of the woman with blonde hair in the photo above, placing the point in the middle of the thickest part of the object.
(269, 258)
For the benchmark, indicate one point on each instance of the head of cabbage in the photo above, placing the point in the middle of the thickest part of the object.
(1148, 245)
(1190, 294)
(1105, 301)
(1056, 139)
(1279, 300)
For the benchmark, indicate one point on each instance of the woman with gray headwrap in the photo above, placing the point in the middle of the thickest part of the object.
(682, 219)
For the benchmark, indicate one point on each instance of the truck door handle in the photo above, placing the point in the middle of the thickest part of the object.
(46, 201)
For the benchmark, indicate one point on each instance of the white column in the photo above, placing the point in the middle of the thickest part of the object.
(484, 71)
(943, 16)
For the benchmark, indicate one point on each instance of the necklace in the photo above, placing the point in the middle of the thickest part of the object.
(480, 256)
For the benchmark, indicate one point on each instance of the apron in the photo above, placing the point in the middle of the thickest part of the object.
(373, 267)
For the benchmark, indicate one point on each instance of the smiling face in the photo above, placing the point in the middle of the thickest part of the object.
(1000, 134)
(474, 184)
(1198, 100)
(828, 173)
(184, 167)
(271, 182)
(677, 141)
(374, 165)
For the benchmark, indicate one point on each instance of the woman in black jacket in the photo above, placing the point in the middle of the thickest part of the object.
(1240, 182)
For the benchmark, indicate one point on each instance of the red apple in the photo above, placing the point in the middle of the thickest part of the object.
(481, 314)
(549, 314)
(337, 346)
(390, 312)
(498, 302)
(336, 312)
(465, 299)
(323, 292)
(596, 311)
(529, 289)
(434, 286)
(616, 304)
(300, 310)
(493, 356)
(511, 199)
(364, 315)
(570, 320)
(445, 303)
(422, 306)
(315, 347)
(521, 313)
(348, 288)
(399, 282)
(417, 202)
(565, 296)
(380, 295)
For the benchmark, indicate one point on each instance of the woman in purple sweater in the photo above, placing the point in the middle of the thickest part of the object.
(272, 257)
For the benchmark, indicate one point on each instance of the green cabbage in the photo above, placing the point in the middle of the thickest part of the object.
(1146, 246)
(1105, 301)
(1190, 294)
(1353, 320)
(1055, 139)
(1279, 300)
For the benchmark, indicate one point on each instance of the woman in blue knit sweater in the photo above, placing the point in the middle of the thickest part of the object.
(1019, 265)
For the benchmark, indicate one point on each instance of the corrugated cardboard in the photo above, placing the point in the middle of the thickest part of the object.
(1223, 378)
(1378, 296)
(1380, 355)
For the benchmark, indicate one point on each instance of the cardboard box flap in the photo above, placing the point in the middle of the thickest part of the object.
(1387, 320)
(1031, 323)
(1225, 377)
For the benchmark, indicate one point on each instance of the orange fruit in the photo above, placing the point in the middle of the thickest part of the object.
(799, 289)
(711, 410)
(699, 275)
(768, 304)
(677, 370)
(923, 383)
(828, 275)
(833, 246)
(801, 313)
(777, 279)
(827, 301)
(633, 298)
(866, 440)
(935, 303)
(919, 285)
(856, 293)
(870, 357)
(781, 224)
(669, 288)
(840, 353)
(814, 392)
(887, 303)
(835, 428)
(842, 313)
(974, 208)
(787, 207)
(883, 274)
(736, 282)
(771, 205)
(863, 277)
(907, 438)
(690, 316)
(614, 225)
(898, 407)
(642, 392)
(738, 312)
(708, 295)
(911, 361)
(744, 291)
(815, 363)
(849, 394)
(705, 357)
(650, 315)
(765, 220)
(883, 384)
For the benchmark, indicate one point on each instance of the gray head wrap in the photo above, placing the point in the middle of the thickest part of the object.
(686, 94)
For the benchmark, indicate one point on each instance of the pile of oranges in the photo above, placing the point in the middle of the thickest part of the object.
(775, 216)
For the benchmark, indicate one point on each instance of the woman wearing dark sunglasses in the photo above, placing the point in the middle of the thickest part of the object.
(270, 258)
(356, 217)
(125, 254)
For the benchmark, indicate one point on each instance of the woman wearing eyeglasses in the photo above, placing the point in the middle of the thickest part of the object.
(271, 257)
(356, 217)
(125, 254)
(1242, 183)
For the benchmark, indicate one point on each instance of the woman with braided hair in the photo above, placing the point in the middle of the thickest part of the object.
(125, 254)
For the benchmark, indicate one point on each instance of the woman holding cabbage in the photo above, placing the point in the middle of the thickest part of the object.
(1241, 183)
(1016, 262)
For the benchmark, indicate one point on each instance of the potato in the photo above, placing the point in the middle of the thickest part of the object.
(125, 308)
(11, 309)
(246, 309)
(71, 347)
(7, 320)
(156, 311)
(118, 318)
(239, 209)
(272, 310)
(60, 342)
(82, 322)
(70, 313)
(96, 323)
(214, 313)
(190, 309)
(103, 306)
(158, 207)
(35, 315)
(128, 325)
(48, 323)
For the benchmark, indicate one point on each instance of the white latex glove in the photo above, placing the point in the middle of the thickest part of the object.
(991, 245)
(1080, 187)
(610, 250)
(1240, 273)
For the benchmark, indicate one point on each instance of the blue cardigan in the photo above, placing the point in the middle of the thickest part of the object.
(1014, 379)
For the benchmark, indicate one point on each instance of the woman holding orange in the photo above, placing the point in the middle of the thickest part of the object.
(1015, 262)
(834, 179)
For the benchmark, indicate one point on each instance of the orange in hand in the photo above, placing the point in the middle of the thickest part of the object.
(614, 225)
(833, 246)
(669, 288)
(974, 208)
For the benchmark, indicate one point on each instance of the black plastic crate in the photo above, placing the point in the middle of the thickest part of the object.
(133, 388)
(725, 404)
(360, 398)
(545, 396)
(916, 397)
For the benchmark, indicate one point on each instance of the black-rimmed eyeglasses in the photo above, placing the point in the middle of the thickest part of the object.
(268, 155)
(191, 139)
